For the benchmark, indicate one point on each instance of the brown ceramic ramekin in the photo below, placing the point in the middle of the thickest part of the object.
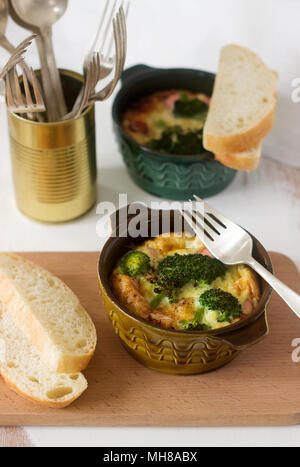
(167, 350)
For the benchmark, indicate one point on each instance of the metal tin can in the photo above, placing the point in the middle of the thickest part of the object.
(54, 164)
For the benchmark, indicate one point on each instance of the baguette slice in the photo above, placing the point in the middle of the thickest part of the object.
(243, 105)
(48, 313)
(247, 160)
(24, 371)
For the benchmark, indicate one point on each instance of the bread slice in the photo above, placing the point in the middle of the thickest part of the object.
(247, 160)
(24, 371)
(243, 104)
(48, 313)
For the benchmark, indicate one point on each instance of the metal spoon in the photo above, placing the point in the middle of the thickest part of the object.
(4, 42)
(39, 16)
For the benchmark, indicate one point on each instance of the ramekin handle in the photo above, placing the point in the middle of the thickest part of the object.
(250, 335)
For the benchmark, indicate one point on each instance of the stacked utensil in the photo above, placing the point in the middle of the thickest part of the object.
(107, 54)
(98, 64)
(10, 84)
(17, 56)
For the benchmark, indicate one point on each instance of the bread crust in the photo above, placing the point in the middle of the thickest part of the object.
(55, 404)
(39, 338)
(244, 140)
(244, 162)
(71, 363)
(232, 144)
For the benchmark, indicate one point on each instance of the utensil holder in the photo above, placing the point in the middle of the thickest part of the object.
(54, 164)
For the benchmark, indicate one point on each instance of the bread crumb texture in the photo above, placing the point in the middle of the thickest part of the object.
(49, 314)
(25, 372)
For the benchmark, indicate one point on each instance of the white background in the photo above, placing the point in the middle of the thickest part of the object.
(177, 33)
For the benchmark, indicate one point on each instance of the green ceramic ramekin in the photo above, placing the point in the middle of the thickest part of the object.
(165, 175)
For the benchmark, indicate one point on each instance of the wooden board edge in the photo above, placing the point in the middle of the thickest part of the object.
(254, 420)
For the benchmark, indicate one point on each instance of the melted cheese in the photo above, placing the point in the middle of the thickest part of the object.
(155, 116)
(239, 280)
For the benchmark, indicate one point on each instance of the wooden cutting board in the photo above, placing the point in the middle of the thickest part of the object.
(260, 387)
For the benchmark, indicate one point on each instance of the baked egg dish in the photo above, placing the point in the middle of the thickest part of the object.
(168, 121)
(174, 282)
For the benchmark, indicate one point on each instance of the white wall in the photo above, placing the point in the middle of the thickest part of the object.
(190, 33)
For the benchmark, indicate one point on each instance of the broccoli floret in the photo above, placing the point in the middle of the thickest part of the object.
(227, 305)
(176, 271)
(174, 140)
(189, 326)
(135, 263)
(197, 323)
(190, 108)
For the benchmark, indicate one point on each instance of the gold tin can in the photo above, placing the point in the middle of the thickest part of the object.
(54, 164)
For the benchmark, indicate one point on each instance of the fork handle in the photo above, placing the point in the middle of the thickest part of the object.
(287, 294)
(76, 105)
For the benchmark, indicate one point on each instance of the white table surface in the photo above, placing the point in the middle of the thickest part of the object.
(265, 202)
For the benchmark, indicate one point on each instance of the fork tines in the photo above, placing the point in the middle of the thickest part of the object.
(195, 218)
(104, 39)
(12, 62)
(18, 103)
(204, 220)
(214, 214)
(17, 56)
(124, 10)
(120, 37)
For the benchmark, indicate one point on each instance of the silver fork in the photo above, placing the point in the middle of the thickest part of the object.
(233, 245)
(17, 56)
(9, 65)
(4, 42)
(90, 84)
(88, 88)
(107, 61)
(120, 38)
(17, 103)
(103, 37)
